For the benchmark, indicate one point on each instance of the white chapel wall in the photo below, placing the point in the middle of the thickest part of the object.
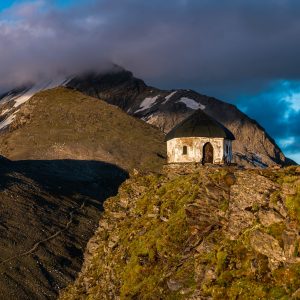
(194, 149)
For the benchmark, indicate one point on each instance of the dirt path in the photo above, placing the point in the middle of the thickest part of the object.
(37, 244)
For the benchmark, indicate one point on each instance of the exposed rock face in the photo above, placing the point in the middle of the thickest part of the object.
(268, 246)
(119, 87)
(269, 217)
(196, 233)
(165, 109)
(242, 205)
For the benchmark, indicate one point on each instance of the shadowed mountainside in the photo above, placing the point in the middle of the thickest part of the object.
(49, 210)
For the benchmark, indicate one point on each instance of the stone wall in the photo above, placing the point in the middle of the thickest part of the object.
(195, 149)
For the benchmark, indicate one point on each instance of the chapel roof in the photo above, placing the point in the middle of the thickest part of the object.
(199, 124)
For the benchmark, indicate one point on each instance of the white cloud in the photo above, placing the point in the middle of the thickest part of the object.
(287, 141)
(294, 100)
(294, 156)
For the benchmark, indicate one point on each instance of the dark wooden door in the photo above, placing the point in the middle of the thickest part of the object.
(208, 153)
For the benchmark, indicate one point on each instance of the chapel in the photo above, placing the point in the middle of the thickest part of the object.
(199, 138)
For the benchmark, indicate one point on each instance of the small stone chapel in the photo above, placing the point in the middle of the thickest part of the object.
(199, 138)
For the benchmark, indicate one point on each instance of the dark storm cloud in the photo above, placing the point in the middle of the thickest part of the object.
(229, 48)
(178, 42)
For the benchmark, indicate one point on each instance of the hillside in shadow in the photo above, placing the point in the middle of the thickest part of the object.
(48, 211)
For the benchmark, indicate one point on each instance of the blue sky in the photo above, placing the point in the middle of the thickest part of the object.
(59, 3)
(5, 3)
(243, 52)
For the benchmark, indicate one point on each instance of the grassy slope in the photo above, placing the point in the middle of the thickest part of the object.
(165, 237)
(62, 123)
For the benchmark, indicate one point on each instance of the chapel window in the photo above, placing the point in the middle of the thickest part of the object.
(184, 150)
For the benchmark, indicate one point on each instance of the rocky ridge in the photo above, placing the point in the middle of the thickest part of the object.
(197, 233)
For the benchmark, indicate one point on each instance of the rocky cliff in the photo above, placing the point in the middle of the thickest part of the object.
(197, 233)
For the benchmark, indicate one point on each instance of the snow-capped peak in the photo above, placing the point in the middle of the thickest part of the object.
(38, 87)
(22, 97)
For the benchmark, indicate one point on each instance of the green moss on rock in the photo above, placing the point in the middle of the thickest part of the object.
(171, 240)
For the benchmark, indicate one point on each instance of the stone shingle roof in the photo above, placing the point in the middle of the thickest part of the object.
(199, 124)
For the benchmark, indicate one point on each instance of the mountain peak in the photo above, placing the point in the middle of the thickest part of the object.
(160, 108)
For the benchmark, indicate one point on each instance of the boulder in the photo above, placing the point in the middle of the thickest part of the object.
(269, 217)
(269, 246)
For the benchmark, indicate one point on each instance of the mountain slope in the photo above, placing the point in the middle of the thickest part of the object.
(202, 233)
(165, 109)
(49, 210)
(70, 152)
(65, 124)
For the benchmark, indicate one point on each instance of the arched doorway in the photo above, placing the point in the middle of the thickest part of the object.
(208, 154)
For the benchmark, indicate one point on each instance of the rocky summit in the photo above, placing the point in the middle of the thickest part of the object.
(193, 232)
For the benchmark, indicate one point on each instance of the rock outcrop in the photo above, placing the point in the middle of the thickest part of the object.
(197, 233)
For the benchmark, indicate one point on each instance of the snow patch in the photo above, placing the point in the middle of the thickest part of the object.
(169, 97)
(147, 103)
(8, 120)
(24, 96)
(4, 112)
(38, 88)
(41, 86)
(191, 103)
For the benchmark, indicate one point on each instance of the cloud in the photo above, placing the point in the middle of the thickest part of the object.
(195, 43)
(241, 51)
